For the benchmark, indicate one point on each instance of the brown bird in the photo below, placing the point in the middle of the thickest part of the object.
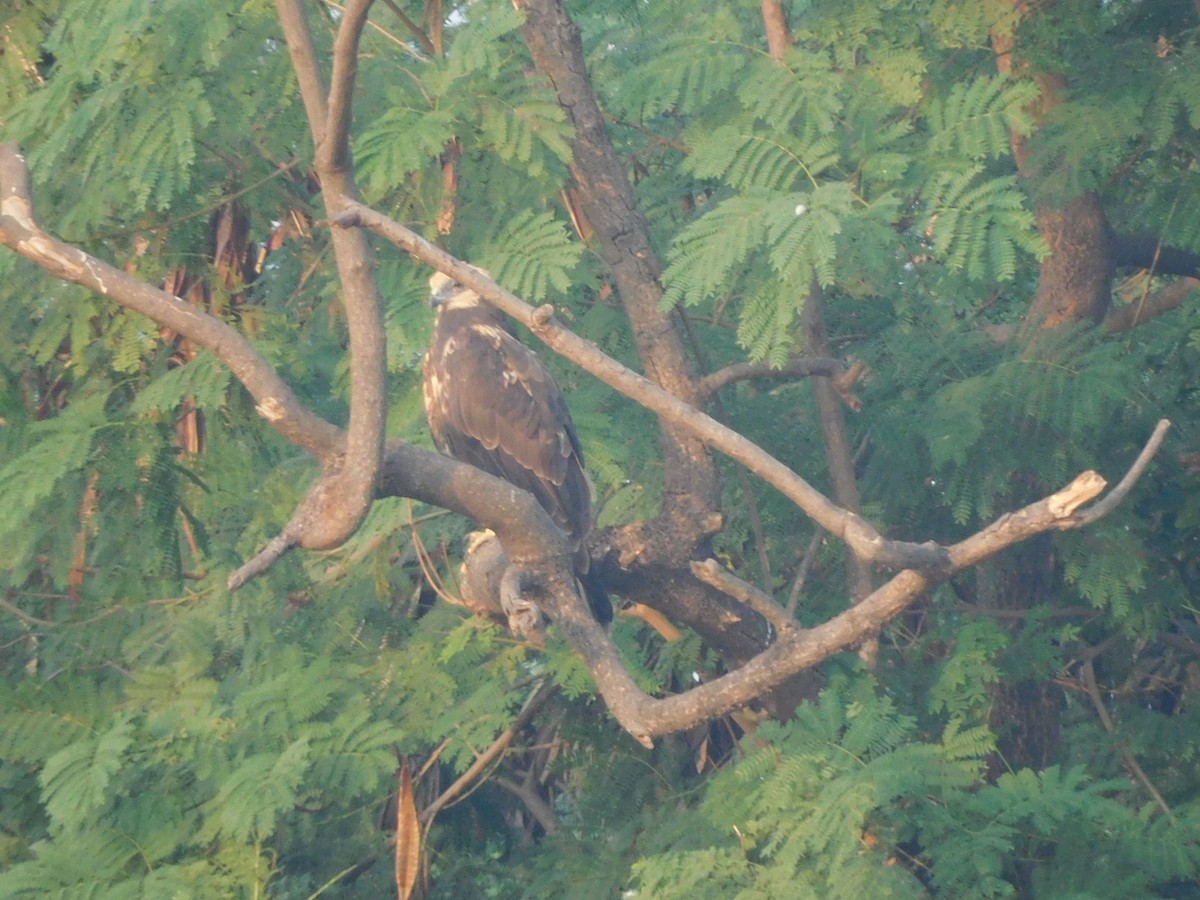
(492, 403)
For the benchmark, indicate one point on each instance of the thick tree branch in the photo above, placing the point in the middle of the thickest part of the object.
(1146, 251)
(1156, 303)
(623, 235)
(333, 152)
(337, 504)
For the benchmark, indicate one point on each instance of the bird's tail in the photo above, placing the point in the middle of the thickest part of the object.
(597, 596)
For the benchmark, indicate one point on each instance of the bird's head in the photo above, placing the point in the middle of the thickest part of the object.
(446, 293)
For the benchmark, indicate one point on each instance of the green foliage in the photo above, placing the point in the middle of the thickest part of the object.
(980, 225)
(847, 799)
(532, 255)
(977, 120)
(160, 737)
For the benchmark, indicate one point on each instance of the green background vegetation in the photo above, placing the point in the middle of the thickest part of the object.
(160, 737)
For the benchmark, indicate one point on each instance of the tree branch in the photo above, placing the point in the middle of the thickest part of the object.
(1130, 315)
(274, 400)
(796, 367)
(623, 235)
(414, 29)
(1088, 673)
(495, 750)
(712, 572)
(839, 457)
(851, 528)
(644, 717)
(1147, 251)
(337, 504)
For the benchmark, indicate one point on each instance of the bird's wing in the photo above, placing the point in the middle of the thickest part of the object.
(493, 404)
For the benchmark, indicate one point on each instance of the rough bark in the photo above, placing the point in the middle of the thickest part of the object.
(623, 236)
(1026, 713)
(1075, 282)
(1074, 285)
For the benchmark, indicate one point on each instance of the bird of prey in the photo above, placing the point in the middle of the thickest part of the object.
(491, 403)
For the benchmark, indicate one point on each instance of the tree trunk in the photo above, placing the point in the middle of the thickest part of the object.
(1075, 283)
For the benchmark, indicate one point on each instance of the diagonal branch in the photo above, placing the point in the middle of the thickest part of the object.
(1130, 315)
(644, 717)
(622, 235)
(851, 528)
(274, 400)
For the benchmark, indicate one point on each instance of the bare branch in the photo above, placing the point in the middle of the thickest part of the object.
(304, 62)
(853, 529)
(414, 29)
(334, 508)
(538, 808)
(1117, 494)
(493, 753)
(334, 150)
(839, 455)
(796, 367)
(1088, 673)
(712, 572)
(263, 560)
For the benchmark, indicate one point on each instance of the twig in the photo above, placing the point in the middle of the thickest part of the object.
(1088, 673)
(270, 554)
(1117, 494)
(753, 513)
(538, 808)
(806, 564)
(414, 29)
(714, 574)
(536, 700)
(796, 367)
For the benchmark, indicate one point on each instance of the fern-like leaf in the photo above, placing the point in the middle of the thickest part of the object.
(532, 254)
